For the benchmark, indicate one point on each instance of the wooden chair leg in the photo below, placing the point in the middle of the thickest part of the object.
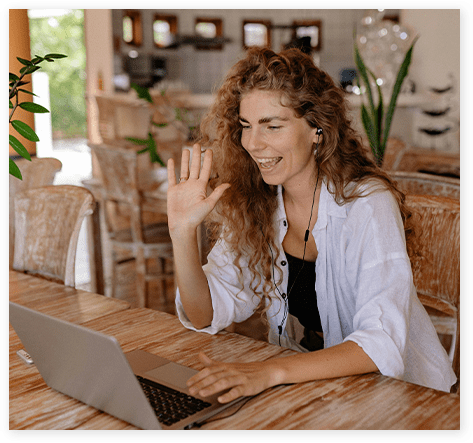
(113, 275)
(141, 285)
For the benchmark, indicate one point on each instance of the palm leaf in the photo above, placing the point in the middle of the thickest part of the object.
(364, 76)
(401, 75)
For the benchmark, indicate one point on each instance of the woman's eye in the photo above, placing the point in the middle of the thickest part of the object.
(245, 127)
(274, 127)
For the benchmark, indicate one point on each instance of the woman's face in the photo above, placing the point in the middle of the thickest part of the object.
(280, 143)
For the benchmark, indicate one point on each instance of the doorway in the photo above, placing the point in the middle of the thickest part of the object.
(61, 88)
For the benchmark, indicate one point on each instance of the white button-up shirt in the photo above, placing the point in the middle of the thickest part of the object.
(364, 287)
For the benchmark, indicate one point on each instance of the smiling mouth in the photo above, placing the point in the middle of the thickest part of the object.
(266, 163)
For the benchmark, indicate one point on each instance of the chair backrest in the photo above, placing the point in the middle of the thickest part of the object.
(122, 117)
(37, 172)
(436, 271)
(119, 172)
(48, 222)
(395, 149)
(427, 184)
(120, 184)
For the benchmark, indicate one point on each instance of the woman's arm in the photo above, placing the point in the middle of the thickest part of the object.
(188, 205)
(246, 379)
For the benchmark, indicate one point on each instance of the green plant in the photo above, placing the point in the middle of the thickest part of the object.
(177, 120)
(15, 83)
(377, 122)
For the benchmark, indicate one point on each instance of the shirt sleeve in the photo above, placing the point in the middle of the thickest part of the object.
(379, 271)
(232, 300)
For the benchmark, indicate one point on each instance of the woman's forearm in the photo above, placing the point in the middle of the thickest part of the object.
(341, 360)
(246, 379)
(191, 280)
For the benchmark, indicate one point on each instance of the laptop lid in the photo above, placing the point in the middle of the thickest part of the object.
(83, 364)
(91, 367)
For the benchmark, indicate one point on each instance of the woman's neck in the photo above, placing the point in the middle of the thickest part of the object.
(300, 195)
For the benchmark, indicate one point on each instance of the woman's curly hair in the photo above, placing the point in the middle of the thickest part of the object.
(245, 213)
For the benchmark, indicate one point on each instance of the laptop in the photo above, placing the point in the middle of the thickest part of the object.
(138, 387)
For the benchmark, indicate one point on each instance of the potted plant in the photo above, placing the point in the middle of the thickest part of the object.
(376, 121)
(16, 84)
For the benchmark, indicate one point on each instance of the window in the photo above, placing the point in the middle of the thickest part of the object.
(132, 28)
(309, 28)
(164, 30)
(256, 33)
(209, 28)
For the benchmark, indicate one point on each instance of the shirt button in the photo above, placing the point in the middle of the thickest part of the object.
(284, 263)
(284, 223)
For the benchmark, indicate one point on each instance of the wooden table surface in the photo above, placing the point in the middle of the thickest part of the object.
(369, 401)
(28, 392)
(68, 303)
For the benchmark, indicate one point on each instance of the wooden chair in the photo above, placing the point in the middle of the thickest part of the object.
(436, 271)
(123, 184)
(37, 172)
(48, 222)
(427, 184)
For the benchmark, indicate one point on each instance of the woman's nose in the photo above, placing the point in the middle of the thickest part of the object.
(254, 141)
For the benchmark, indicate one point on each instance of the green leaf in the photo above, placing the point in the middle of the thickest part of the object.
(138, 141)
(33, 107)
(19, 148)
(27, 92)
(24, 61)
(29, 69)
(24, 130)
(369, 129)
(151, 144)
(142, 92)
(153, 152)
(13, 77)
(37, 60)
(18, 84)
(15, 170)
(364, 76)
(401, 75)
(11, 105)
(379, 113)
(160, 125)
(56, 56)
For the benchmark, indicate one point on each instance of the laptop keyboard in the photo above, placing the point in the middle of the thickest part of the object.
(170, 405)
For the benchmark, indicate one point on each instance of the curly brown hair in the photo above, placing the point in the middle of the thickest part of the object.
(244, 214)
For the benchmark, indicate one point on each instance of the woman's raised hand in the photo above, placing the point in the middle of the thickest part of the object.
(187, 200)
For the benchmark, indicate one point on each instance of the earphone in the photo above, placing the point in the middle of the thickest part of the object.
(306, 238)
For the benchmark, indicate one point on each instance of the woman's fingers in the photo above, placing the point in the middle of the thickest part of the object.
(185, 164)
(214, 197)
(206, 165)
(171, 173)
(233, 380)
(196, 161)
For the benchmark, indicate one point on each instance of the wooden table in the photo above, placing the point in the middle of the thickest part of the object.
(369, 401)
(27, 389)
(61, 301)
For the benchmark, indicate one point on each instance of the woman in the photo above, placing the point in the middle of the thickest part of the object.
(304, 225)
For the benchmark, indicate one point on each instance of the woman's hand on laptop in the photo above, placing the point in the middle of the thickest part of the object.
(238, 379)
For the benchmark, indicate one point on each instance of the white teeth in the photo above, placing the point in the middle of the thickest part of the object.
(268, 162)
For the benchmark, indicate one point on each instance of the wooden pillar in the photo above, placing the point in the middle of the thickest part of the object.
(19, 45)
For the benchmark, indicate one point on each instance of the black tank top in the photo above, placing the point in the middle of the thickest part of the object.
(302, 297)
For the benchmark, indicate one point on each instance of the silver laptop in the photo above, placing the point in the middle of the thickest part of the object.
(91, 367)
